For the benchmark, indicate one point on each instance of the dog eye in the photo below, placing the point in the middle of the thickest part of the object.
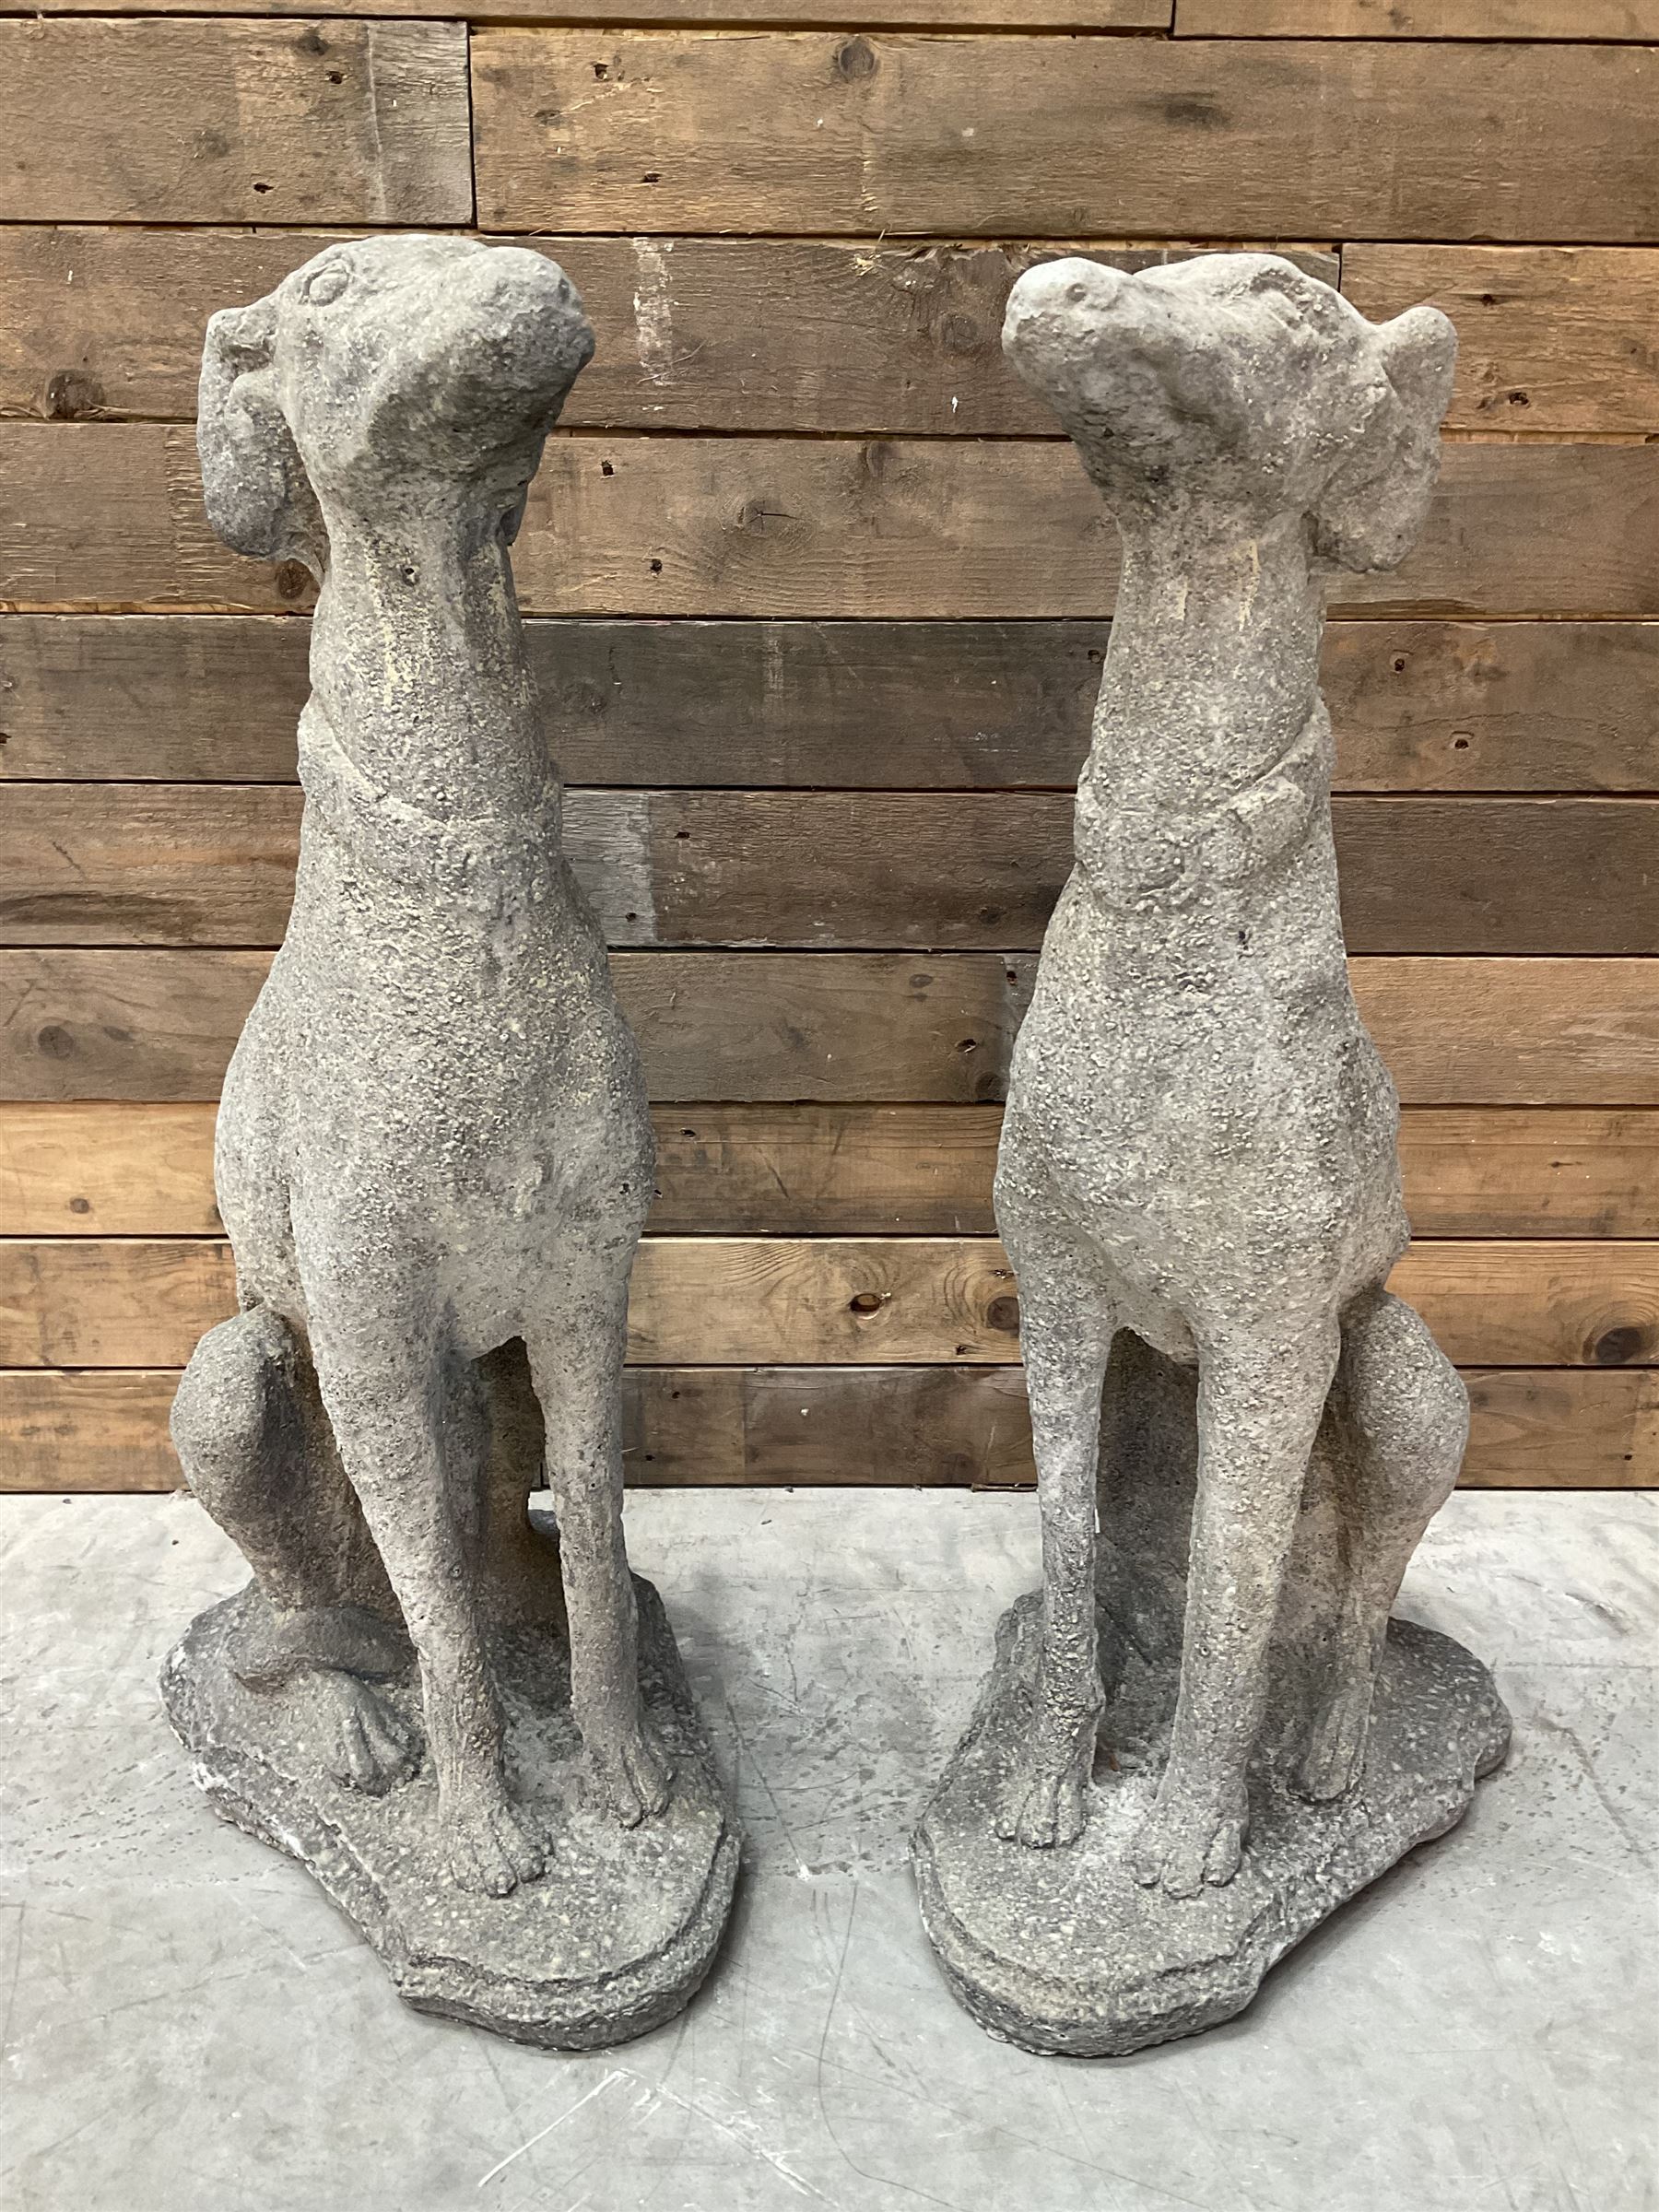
(326, 285)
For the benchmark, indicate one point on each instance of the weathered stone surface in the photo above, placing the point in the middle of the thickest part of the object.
(1198, 1183)
(610, 1942)
(434, 1158)
(1066, 1951)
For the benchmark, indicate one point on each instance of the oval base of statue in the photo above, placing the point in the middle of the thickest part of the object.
(1060, 1950)
(611, 1941)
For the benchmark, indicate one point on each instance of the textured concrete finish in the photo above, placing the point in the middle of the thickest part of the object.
(1197, 1177)
(434, 1157)
(188, 2025)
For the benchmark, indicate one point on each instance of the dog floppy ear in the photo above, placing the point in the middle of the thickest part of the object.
(258, 496)
(1371, 511)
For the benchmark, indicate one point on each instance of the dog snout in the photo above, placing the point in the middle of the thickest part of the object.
(1056, 293)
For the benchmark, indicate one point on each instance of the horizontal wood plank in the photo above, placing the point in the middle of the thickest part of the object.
(194, 863)
(1633, 19)
(88, 1301)
(1549, 338)
(806, 335)
(1417, 705)
(693, 334)
(184, 120)
(643, 131)
(953, 15)
(104, 1430)
(108, 515)
(109, 1170)
(880, 1028)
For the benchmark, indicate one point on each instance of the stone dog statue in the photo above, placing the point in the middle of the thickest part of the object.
(1200, 1140)
(1199, 1190)
(434, 1154)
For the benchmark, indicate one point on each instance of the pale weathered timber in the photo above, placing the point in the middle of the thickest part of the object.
(642, 130)
(1549, 338)
(107, 516)
(139, 1302)
(1534, 1427)
(106, 1169)
(693, 334)
(1430, 706)
(185, 120)
(105, 1428)
(1060, 14)
(877, 1027)
(1634, 19)
(181, 864)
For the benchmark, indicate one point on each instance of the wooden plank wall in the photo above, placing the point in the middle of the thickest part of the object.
(821, 603)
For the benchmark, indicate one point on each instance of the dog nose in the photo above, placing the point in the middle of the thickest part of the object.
(1059, 286)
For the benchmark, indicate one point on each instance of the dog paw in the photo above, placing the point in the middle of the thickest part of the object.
(1043, 1810)
(627, 1774)
(373, 1748)
(1194, 1834)
(491, 1845)
(1334, 1755)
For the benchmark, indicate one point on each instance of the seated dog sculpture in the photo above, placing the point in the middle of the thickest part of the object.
(434, 1154)
(1199, 1152)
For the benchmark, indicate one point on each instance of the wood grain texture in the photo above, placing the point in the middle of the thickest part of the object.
(880, 1028)
(1533, 1427)
(1549, 338)
(108, 515)
(136, 1301)
(1425, 706)
(211, 865)
(1633, 19)
(963, 15)
(620, 131)
(758, 334)
(108, 1169)
(186, 120)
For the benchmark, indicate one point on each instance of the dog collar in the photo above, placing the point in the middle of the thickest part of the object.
(1144, 860)
(478, 860)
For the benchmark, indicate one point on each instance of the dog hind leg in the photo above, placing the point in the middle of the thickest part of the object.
(251, 1435)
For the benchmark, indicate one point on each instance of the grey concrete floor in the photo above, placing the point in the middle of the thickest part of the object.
(188, 2026)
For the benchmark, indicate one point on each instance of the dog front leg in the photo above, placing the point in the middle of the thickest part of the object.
(1066, 1337)
(379, 1385)
(1260, 1398)
(576, 1353)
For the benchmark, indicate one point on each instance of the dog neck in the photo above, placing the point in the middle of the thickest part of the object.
(418, 670)
(1210, 760)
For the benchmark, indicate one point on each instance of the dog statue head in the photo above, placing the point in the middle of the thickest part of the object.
(1235, 379)
(385, 372)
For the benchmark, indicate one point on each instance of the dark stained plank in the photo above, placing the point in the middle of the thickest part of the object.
(194, 863)
(619, 130)
(743, 1302)
(1634, 19)
(758, 334)
(97, 1169)
(184, 120)
(1427, 706)
(1549, 338)
(104, 1430)
(873, 1027)
(108, 516)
